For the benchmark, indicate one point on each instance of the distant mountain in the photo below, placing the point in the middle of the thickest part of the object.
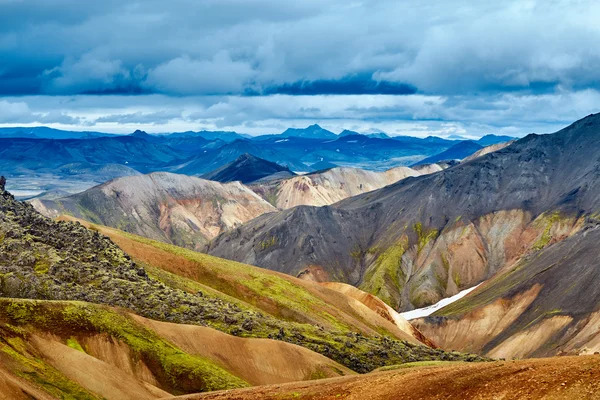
(312, 131)
(144, 135)
(457, 152)
(193, 154)
(323, 165)
(211, 159)
(226, 136)
(457, 137)
(489, 140)
(378, 135)
(49, 154)
(42, 132)
(247, 168)
(347, 132)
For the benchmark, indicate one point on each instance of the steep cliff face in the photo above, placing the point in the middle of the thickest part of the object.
(427, 237)
(177, 209)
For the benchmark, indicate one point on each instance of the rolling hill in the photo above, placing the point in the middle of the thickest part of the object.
(177, 209)
(556, 378)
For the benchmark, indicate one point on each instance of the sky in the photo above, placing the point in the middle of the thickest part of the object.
(260, 66)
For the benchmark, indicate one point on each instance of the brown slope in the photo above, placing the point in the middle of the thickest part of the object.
(381, 308)
(98, 376)
(16, 388)
(544, 305)
(554, 378)
(78, 352)
(257, 361)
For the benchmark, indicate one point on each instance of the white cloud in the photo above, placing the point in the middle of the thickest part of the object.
(183, 75)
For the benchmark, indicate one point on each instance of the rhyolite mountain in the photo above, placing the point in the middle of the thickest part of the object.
(543, 304)
(189, 211)
(327, 187)
(179, 209)
(428, 237)
(80, 318)
(248, 168)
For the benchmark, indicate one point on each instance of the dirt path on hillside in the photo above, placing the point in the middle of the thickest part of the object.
(552, 378)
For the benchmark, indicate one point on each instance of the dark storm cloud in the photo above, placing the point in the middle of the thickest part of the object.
(349, 85)
(310, 47)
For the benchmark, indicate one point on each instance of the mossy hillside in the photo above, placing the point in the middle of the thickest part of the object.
(263, 289)
(546, 236)
(177, 371)
(385, 278)
(423, 236)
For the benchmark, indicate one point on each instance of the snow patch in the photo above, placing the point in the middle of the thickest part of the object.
(282, 140)
(425, 311)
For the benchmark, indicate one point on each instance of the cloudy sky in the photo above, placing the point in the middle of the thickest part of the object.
(259, 66)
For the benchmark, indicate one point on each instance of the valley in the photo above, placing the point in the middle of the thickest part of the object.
(115, 280)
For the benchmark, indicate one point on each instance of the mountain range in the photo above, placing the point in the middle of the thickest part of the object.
(41, 159)
(521, 219)
(130, 310)
(189, 211)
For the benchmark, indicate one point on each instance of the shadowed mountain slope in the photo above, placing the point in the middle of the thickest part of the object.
(247, 168)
